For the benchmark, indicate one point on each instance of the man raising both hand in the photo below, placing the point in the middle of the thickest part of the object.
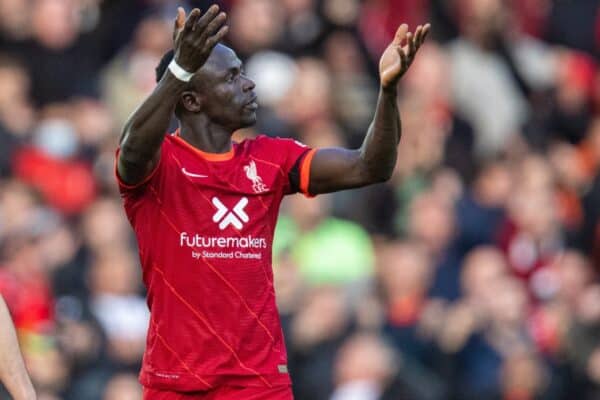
(204, 210)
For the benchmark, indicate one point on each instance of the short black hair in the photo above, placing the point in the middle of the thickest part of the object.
(162, 66)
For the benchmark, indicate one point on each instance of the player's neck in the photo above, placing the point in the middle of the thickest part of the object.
(206, 136)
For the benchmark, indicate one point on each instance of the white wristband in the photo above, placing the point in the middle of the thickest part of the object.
(179, 72)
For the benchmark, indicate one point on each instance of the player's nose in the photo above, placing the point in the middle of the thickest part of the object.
(248, 84)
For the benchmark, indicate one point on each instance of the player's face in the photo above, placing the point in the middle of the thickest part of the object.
(229, 97)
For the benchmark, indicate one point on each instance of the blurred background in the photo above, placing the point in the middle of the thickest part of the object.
(471, 274)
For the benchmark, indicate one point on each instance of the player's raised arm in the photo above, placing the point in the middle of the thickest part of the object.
(12, 369)
(194, 39)
(335, 169)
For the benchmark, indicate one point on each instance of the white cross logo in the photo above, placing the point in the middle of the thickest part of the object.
(224, 217)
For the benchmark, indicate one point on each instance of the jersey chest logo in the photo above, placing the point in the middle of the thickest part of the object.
(225, 217)
(257, 183)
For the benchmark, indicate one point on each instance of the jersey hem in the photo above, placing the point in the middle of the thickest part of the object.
(185, 382)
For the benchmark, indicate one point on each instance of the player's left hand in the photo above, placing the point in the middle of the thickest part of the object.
(397, 58)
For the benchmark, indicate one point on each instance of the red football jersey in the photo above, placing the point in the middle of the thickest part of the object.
(204, 224)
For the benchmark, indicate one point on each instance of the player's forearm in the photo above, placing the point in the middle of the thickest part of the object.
(146, 128)
(12, 368)
(379, 149)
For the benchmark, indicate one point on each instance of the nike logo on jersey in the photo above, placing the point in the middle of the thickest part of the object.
(225, 217)
(185, 172)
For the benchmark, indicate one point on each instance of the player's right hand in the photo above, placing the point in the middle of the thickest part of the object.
(195, 37)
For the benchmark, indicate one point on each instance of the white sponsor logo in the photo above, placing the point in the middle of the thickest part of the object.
(224, 217)
(185, 172)
(257, 183)
(226, 247)
(240, 242)
(207, 247)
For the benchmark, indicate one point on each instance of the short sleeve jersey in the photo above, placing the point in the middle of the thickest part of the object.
(204, 225)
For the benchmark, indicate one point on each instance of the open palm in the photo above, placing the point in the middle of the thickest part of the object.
(397, 58)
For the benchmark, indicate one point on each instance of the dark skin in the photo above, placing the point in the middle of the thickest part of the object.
(220, 99)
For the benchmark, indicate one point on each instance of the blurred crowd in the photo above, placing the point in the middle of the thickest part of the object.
(471, 274)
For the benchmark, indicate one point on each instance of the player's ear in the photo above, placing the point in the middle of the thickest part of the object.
(191, 101)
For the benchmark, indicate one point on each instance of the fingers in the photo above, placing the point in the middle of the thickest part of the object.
(202, 27)
(404, 61)
(207, 18)
(415, 41)
(214, 26)
(410, 40)
(216, 38)
(400, 34)
(179, 22)
(418, 35)
(190, 23)
(421, 35)
(407, 45)
(425, 32)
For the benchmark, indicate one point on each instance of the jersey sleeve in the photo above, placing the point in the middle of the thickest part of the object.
(126, 189)
(295, 159)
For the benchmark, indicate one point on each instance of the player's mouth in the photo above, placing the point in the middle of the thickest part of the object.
(252, 104)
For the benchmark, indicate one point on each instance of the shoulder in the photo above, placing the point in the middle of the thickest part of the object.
(157, 175)
(270, 143)
(259, 141)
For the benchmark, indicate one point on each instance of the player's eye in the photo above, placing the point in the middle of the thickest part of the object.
(233, 75)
